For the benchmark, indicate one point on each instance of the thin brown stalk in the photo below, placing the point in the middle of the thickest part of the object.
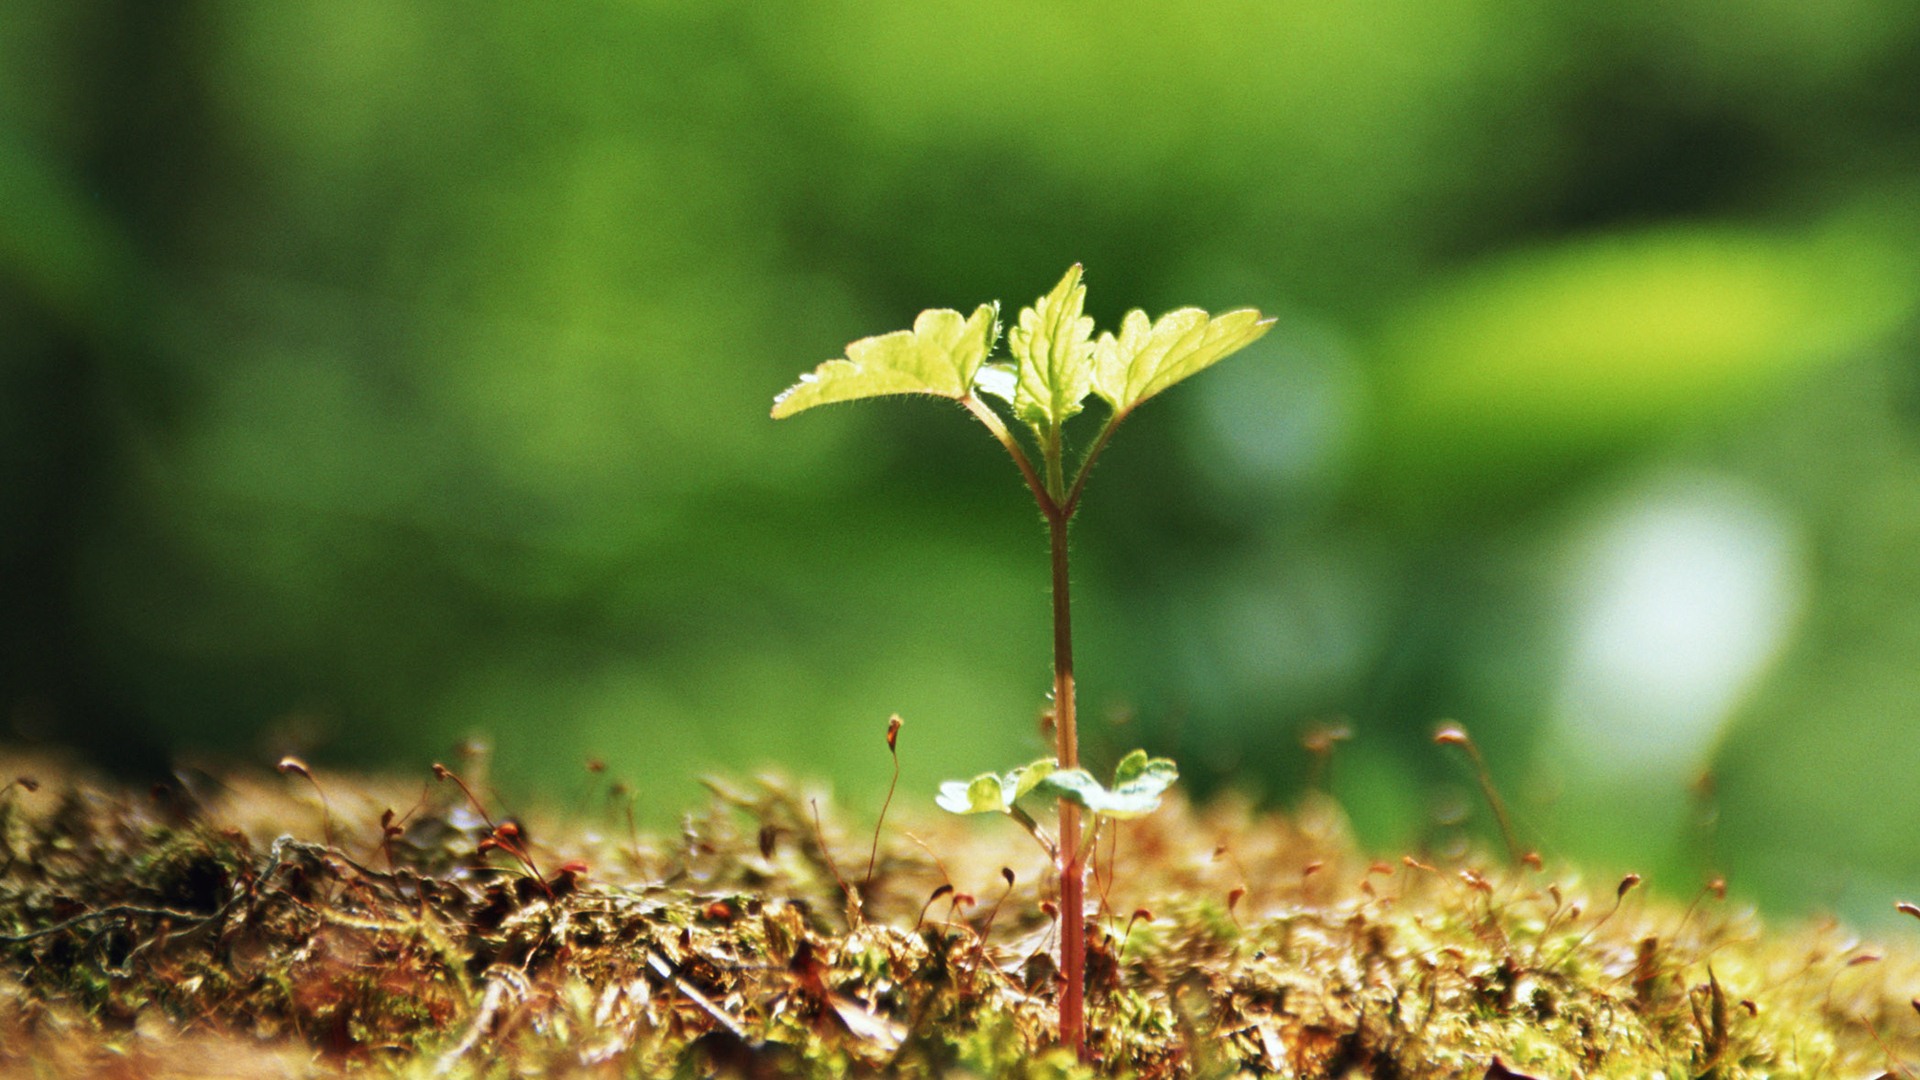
(1073, 938)
(985, 414)
(1057, 502)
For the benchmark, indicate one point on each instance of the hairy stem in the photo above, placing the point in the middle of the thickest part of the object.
(1072, 500)
(1073, 936)
(985, 414)
(1057, 504)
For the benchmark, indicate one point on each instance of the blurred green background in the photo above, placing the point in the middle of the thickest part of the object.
(376, 374)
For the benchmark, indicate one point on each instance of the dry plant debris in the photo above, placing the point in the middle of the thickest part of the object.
(242, 926)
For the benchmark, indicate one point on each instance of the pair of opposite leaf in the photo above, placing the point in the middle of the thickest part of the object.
(1056, 360)
(1138, 783)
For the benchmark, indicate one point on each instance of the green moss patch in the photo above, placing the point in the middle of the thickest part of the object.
(235, 927)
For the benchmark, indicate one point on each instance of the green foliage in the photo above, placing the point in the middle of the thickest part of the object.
(941, 355)
(993, 792)
(1052, 349)
(1055, 364)
(1151, 355)
(1139, 782)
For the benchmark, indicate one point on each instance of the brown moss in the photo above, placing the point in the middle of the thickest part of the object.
(247, 931)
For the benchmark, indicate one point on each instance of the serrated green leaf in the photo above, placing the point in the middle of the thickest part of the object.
(980, 795)
(1149, 356)
(941, 355)
(1052, 348)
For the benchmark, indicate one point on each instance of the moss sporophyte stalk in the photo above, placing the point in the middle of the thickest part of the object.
(1055, 363)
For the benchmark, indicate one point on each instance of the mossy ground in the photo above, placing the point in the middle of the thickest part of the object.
(229, 926)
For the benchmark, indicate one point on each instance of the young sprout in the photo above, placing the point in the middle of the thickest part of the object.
(1055, 364)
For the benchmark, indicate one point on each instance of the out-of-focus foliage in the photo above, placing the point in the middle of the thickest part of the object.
(373, 374)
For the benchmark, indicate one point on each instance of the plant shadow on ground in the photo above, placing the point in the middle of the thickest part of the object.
(239, 925)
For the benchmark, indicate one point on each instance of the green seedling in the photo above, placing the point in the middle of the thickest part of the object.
(1139, 782)
(1056, 363)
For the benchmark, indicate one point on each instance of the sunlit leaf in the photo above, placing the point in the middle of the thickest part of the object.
(1052, 349)
(1136, 765)
(980, 795)
(939, 356)
(1140, 781)
(1149, 356)
(1074, 785)
(1027, 777)
(1139, 784)
(993, 792)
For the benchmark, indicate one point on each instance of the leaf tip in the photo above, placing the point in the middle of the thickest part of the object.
(783, 402)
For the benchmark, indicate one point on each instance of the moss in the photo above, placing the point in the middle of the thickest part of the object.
(249, 932)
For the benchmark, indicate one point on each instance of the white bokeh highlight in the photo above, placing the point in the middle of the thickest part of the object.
(1682, 592)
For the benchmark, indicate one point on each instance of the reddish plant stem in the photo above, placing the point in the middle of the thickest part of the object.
(1073, 937)
(1057, 503)
(992, 420)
